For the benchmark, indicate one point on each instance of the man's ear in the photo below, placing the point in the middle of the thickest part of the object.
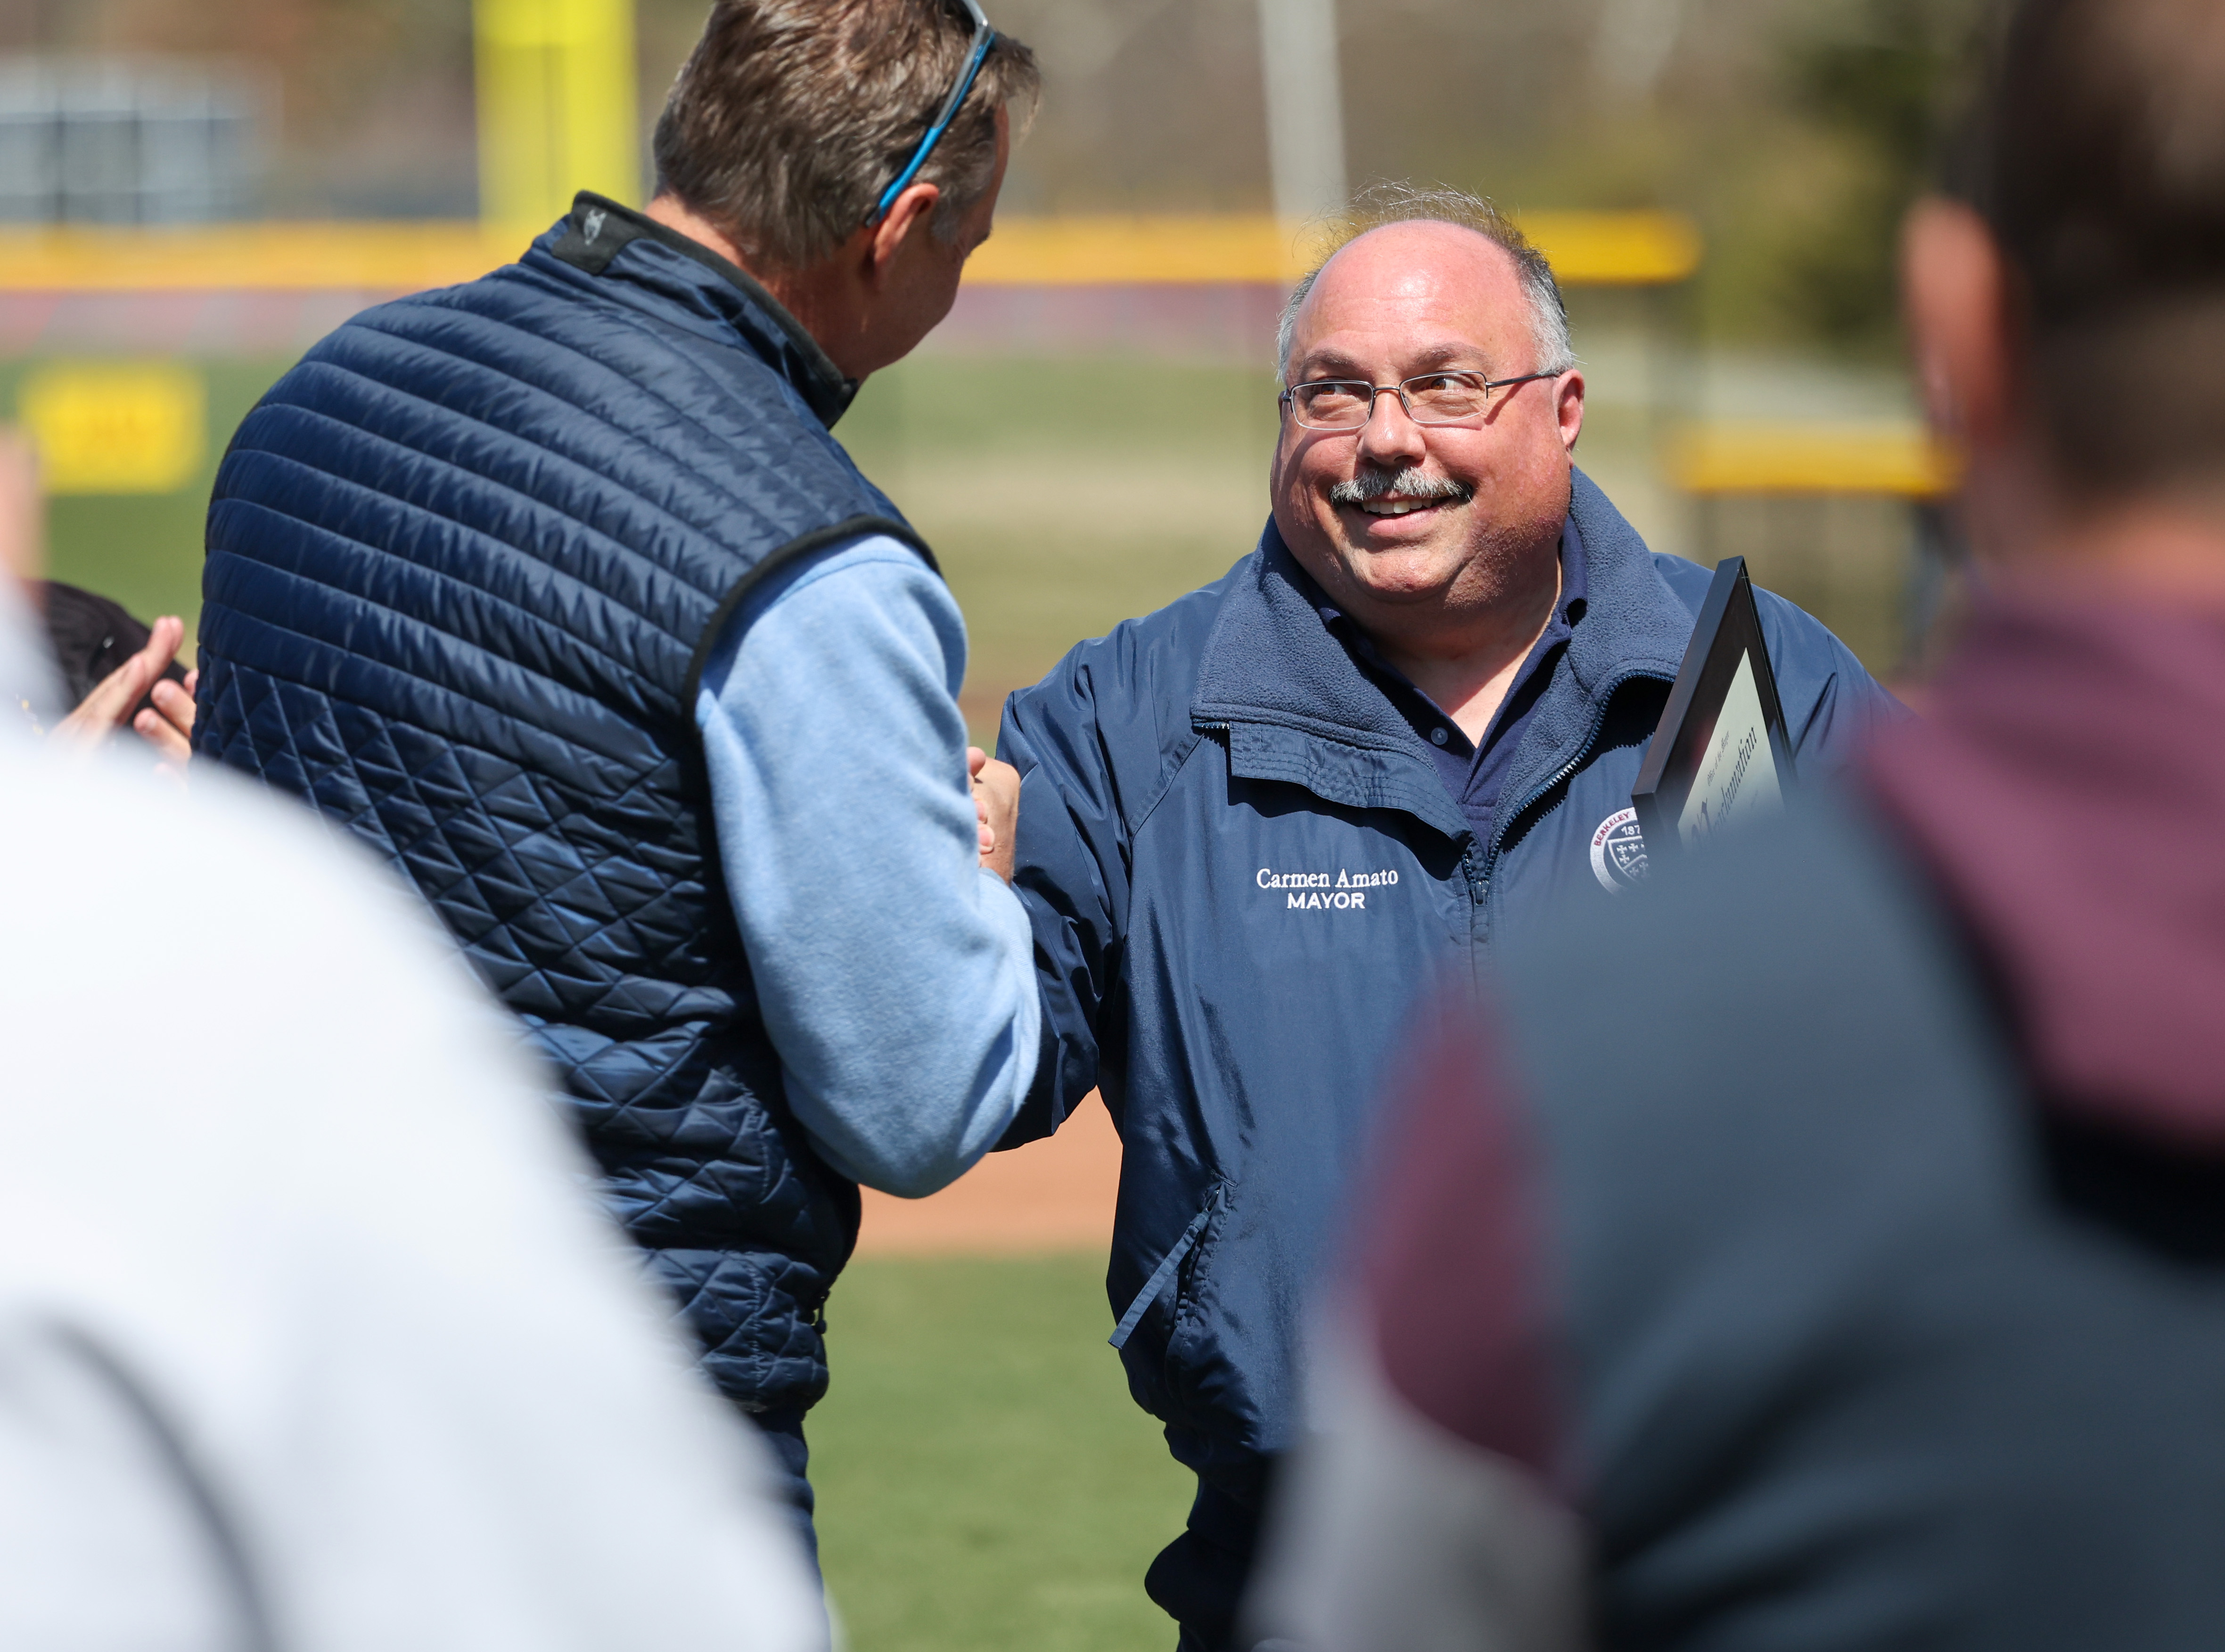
(1568, 408)
(911, 212)
(1956, 286)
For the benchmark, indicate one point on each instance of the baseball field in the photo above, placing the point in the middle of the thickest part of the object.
(985, 1482)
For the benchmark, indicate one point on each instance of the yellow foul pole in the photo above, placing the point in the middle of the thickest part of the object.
(556, 108)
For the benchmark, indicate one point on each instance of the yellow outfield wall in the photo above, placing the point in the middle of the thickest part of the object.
(1894, 459)
(1588, 249)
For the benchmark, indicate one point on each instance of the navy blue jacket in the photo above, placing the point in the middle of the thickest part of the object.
(1245, 873)
(464, 564)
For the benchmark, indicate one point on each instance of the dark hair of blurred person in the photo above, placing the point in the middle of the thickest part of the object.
(1867, 1287)
(271, 1376)
(557, 590)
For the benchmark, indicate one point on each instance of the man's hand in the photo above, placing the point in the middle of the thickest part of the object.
(168, 726)
(996, 806)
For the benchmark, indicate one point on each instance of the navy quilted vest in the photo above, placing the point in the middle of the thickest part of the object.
(465, 564)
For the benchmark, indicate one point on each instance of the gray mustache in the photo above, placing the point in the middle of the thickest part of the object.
(1371, 486)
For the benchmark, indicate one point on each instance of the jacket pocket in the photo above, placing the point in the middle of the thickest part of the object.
(1172, 1289)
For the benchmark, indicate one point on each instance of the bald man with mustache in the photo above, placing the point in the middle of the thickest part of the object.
(1259, 826)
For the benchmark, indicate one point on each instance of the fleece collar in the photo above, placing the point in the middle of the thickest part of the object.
(670, 267)
(1272, 671)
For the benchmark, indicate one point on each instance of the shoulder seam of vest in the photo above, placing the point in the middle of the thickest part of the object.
(801, 545)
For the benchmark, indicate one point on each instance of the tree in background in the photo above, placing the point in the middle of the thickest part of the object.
(1888, 88)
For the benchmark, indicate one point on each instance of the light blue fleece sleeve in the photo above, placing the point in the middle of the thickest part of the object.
(897, 978)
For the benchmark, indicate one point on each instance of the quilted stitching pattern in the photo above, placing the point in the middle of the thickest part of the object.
(459, 561)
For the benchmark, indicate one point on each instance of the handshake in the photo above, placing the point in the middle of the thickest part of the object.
(996, 808)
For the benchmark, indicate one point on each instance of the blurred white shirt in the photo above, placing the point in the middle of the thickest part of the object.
(311, 1336)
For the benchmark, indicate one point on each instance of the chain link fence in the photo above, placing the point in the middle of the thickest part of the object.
(127, 140)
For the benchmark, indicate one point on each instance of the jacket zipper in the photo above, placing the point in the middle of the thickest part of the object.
(1599, 702)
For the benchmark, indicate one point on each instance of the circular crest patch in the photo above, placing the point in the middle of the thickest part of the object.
(1619, 851)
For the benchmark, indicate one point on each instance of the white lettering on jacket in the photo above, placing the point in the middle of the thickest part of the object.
(1342, 890)
(1269, 878)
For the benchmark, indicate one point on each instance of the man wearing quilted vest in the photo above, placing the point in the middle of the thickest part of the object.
(555, 588)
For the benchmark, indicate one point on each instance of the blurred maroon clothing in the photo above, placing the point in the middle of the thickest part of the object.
(1452, 1276)
(2066, 795)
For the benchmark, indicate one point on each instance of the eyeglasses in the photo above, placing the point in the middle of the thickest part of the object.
(1430, 399)
(984, 38)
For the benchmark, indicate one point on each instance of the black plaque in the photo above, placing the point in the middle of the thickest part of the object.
(1721, 751)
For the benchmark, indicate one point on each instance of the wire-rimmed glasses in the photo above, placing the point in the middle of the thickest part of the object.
(1439, 398)
(984, 38)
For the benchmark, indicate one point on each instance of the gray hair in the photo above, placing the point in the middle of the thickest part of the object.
(791, 117)
(1397, 203)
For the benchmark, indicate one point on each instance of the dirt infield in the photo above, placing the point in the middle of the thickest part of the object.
(1053, 1195)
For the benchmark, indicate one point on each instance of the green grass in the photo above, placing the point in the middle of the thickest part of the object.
(984, 1483)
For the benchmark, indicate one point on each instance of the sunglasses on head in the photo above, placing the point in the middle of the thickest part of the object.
(984, 38)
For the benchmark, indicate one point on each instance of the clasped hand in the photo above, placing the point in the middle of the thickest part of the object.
(997, 808)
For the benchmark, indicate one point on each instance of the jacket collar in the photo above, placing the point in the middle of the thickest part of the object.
(597, 229)
(1633, 626)
(1272, 670)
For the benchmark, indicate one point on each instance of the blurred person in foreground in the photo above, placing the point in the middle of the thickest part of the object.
(1867, 1287)
(556, 590)
(1259, 826)
(271, 1375)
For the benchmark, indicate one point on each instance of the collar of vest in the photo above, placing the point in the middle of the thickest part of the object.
(597, 229)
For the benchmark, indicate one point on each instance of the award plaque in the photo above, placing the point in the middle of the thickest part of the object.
(1721, 751)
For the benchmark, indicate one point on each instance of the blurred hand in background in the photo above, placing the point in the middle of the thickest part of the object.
(141, 693)
(167, 725)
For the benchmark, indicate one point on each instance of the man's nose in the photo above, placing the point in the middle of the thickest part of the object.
(1389, 438)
